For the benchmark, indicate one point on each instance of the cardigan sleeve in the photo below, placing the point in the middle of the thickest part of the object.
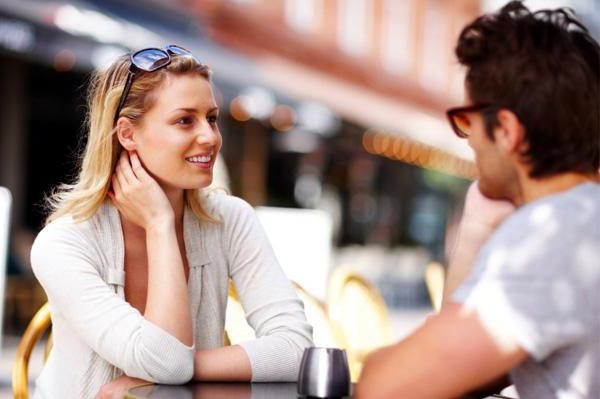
(271, 305)
(65, 263)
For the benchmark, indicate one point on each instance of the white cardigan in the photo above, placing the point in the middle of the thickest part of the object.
(98, 336)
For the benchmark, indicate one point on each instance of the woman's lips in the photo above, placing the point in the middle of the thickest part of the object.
(205, 161)
(202, 165)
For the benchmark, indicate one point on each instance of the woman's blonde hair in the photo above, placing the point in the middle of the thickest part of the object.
(82, 198)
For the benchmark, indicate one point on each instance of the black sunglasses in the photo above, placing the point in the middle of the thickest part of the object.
(148, 60)
(459, 121)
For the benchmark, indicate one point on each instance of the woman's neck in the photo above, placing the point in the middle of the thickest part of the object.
(177, 199)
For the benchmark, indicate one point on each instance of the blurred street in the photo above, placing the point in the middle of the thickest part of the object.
(333, 118)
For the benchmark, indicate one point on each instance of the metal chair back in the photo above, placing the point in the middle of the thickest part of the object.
(359, 314)
(39, 323)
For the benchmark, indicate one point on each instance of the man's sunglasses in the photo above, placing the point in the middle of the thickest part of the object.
(460, 122)
(148, 60)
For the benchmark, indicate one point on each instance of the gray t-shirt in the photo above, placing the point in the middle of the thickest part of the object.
(538, 280)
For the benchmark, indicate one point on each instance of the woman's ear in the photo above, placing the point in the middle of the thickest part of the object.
(126, 134)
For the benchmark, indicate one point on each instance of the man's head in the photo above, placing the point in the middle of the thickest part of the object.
(536, 77)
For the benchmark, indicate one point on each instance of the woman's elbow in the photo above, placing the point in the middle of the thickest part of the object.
(171, 370)
(177, 374)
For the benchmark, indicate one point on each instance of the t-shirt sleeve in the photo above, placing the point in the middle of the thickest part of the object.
(520, 288)
(271, 305)
(65, 264)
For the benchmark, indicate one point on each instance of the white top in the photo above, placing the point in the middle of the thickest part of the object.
(537, 280)
(98, 336)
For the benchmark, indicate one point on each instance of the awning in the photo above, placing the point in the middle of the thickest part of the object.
(361, 105)
(91, 33)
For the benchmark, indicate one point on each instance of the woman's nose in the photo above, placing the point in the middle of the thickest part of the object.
(206, 135)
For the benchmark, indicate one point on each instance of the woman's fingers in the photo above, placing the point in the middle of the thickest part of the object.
(115, 195)
(116, 187)
(124, 167)
(140, 197)
(137, 167)
(122, 180)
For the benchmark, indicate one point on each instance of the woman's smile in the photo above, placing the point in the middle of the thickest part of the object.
(202, 161)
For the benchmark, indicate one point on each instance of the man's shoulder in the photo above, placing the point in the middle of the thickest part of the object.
(545, 235)
(575, 211)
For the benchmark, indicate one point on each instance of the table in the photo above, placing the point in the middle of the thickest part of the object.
(213, 390)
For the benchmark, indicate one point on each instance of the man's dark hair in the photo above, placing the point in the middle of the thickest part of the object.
(544, 67)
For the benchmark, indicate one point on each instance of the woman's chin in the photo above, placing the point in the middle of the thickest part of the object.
(191, 184)
(197, 184)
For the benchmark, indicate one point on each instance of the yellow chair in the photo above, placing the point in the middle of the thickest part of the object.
(324, 334)
(434, 279)
(359, 314)
(237, 328)
(38, 324)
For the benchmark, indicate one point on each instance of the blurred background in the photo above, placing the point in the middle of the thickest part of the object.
(332, 116)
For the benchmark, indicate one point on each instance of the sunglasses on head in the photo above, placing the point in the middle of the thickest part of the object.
(148, 60)
(460, 122)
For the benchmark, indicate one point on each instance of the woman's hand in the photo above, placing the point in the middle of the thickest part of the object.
(137, 195)
(117, 388)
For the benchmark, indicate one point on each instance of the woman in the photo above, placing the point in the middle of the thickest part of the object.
(135, 259)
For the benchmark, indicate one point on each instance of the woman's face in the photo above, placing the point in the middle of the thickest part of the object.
(178, 139)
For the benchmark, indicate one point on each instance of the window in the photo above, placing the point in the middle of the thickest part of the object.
(398, 37)
(434, 65)
(353, 26)
(303, 15)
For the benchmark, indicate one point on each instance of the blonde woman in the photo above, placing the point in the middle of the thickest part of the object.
(135, 259)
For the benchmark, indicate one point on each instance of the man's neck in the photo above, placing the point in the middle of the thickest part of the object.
(534, 189)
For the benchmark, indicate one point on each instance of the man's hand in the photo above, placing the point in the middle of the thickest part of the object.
(117, 388)
(481, 217)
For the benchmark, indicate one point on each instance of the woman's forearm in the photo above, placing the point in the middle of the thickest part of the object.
(229, 363)
(167, 302)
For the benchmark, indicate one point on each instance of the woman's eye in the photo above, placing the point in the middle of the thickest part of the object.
(212, 119)
(186, 120)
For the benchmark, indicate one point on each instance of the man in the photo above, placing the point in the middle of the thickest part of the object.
(531, 306)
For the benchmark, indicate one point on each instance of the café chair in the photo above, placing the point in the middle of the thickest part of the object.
(434, 280)
(238, 330)
(39, 323)
(324, 334)
(359, 314)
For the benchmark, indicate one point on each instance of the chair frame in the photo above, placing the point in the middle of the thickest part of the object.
(341, 278)
(39, 323)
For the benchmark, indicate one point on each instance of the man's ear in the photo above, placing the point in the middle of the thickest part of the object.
(510, 133)
(126, 134)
